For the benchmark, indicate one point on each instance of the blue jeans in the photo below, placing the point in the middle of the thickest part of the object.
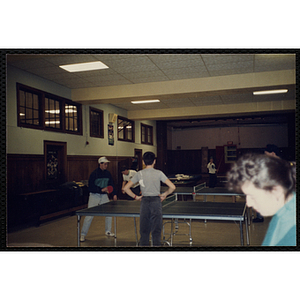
(150, 220)
(94, 200)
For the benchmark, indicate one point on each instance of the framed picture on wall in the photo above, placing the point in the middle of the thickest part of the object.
(110, 134)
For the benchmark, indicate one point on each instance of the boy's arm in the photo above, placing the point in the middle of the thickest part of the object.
(130, 192)
(169, 191)
(123, 185)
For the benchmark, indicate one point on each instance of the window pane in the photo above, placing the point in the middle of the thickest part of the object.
(120, 129)
(129, 132)
(149, 136)
(143, 134)
(52, 113)
(29, 114)
(28, 100)
(22, 98)
(75, 125)
(71, 117)
(28, 108)
(95, 124)
(35, 102)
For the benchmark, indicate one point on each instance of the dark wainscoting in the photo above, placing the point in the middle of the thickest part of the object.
(31, 198)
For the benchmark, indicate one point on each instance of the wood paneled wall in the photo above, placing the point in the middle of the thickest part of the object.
(26, 173)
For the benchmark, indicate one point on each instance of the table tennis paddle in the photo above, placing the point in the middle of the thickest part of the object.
(109, 189)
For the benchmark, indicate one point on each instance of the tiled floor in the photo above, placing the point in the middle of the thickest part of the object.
(62, 232)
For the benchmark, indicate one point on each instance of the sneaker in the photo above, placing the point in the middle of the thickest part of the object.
(82, 238)
(108, 233)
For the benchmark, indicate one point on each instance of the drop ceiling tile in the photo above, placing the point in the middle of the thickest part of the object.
(135, 68)
(179, 64)
(104, 81)
(207, 100)
(144, 74)
(274, 97)
(97, 73)
(63, 59)
(183, 75)
(110, 77)
(150, 106)
(175, 102)
(130, 60)
(212, 59)
(237, 98)
(75, 83)
(43, 72)
(232, 66)
(150, 79)
(29, 62)
(160, 58)
(229, 72)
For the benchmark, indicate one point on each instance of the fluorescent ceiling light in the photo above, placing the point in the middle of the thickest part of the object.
(95, 65)
(270, 92)
(144, 101)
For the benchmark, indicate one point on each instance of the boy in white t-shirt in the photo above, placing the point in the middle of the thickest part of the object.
(127, 175)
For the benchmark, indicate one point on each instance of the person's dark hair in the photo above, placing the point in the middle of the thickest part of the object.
(264, 171)
(124, 168)
(148, 158)
(273, 148)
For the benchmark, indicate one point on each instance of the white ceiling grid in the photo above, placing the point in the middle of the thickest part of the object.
(127, 69)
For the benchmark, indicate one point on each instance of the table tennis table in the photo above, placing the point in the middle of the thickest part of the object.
(172, 209)
(201, 189)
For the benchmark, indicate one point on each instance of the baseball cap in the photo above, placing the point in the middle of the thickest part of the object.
(102, 159)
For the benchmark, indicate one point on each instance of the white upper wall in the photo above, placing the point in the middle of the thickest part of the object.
(243, 137)
(31, 141)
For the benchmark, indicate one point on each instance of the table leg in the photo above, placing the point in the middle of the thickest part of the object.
(191, 240)
(135, 231)
(78, 231)
(241, 232)
(247, 228)
(249, 217)
(115, 225)
(171, 232)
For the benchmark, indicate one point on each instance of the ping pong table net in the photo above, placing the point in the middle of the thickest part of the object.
(169, 200)
(199, 187)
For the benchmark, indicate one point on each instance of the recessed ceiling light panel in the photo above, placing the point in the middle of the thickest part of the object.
(145, 101)
(90, 66)
(270, 92)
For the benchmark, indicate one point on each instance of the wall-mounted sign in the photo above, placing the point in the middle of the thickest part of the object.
(110, 135)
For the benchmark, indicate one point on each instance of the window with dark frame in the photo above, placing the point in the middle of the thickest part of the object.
(146, 134)
(125, 129)
(96, 123)
(41, 110)
(52, 113)
(71, 117)
(29, 107)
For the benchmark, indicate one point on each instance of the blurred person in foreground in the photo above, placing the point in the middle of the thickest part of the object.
(269, 184)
